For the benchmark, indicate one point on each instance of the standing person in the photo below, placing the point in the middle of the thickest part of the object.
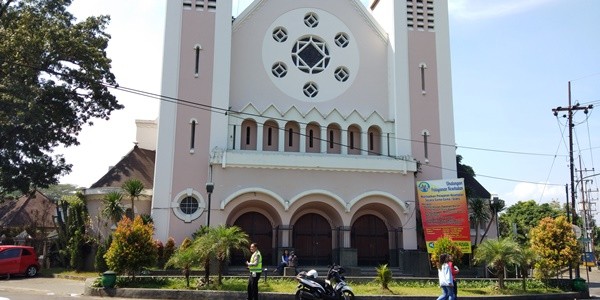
(445, 276)
(255, 268)
(283, 263)
(293, 262)
(454, 269)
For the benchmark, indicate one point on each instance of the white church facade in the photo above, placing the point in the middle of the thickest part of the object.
(310, 122)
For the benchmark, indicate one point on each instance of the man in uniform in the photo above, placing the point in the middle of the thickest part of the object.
(255, 268)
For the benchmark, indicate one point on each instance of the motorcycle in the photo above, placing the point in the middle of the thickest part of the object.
(334, 287)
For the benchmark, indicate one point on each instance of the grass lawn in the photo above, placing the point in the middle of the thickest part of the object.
(396, 287)
(288, 285)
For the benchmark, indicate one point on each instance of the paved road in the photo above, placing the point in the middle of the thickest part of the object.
(21, 288)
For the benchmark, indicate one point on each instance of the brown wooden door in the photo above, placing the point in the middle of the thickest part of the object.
(370, 238)
(312, 240)
(259, 230)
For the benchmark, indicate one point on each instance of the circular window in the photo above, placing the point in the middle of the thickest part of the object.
(310, 55)
(342, 40)
(188, 205)
(280, 34)
(311, 89)
(342, 74)
(311, 20)
(279, 69)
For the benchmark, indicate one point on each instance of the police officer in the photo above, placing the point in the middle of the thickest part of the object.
(255, 268)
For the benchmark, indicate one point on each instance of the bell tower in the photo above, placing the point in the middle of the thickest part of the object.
(195, 79)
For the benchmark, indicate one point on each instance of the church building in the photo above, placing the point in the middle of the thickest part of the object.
(307, 123)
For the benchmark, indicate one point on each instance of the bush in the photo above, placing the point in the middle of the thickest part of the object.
(132, 248)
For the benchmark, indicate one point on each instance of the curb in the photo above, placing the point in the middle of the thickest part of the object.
(227, 295)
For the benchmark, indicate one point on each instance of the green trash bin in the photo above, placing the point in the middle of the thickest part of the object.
(109, 279)
(579, 285)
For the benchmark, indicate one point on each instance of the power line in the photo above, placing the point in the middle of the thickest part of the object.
(211, 109)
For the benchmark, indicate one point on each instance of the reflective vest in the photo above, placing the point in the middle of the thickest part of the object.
(256, 259)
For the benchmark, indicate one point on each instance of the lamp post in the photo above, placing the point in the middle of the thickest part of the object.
(210, 187)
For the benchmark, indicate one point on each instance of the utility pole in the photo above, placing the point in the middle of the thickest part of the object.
(570, 109)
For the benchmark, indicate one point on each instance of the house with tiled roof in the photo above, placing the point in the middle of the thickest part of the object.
(33, 213)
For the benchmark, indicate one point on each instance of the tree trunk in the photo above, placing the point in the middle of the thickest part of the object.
(488, 228)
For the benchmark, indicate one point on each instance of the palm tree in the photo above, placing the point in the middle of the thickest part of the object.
(527, 258)
(184, 257)
(495, 207)
(133, 188)
(498, 254)
(225, 240)
(479, 213)
(112, 209)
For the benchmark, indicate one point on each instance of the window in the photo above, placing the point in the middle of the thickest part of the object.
(331, 144)
(248, 131)
(423, 67)
(197, 49)
(192, 135)
(188, 205)
(290, 138)
(310, 138)
(249, 134)
(351, 140)
(374, 133)
(270, 136)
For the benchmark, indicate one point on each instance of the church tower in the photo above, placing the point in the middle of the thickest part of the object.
(195, 78)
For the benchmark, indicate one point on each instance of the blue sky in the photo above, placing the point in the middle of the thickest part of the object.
(511, 64)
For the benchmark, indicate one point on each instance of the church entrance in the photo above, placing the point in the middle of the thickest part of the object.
(259, 230)
(369, 236)
(312, 240)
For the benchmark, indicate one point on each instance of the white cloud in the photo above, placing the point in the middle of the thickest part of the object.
(477, 9)
(539, 192)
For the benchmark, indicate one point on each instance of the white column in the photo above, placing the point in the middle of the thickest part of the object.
(281, 134)
(324, 138)
(259, 137)
(302, 138)
(344, 140)
(364, 143)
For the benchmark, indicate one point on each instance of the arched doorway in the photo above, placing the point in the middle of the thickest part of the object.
(259, 230)
(369, 236)
(312, 240)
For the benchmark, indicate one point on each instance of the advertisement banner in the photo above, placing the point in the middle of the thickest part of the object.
(444, 212)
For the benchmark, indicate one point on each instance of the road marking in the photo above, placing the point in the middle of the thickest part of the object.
(2, 298)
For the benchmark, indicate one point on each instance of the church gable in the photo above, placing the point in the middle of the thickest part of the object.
(309, 54)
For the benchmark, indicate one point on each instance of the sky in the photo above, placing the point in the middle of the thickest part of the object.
(512, 61)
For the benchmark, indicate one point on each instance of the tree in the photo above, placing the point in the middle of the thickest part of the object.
(495, 207)
(527, 258)
(498, 254)
(554, 242)
(132, 247)
(479, 213)
(57, 191)
(112, 208)
(133, 188)
(185, 257)
(448, 246)
(54, 79)
(73, 232)
(518, 219)
(225, 239)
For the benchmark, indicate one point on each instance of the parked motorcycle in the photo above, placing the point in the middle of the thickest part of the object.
(334, 287)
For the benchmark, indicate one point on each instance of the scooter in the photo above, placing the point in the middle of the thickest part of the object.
(334, 287)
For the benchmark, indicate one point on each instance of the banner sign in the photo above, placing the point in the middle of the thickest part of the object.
(444, 212)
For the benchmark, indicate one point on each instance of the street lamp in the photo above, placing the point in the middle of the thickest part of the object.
(210, 187)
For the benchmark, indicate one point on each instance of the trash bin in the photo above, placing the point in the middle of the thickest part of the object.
(579, 285)
(109, 279)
